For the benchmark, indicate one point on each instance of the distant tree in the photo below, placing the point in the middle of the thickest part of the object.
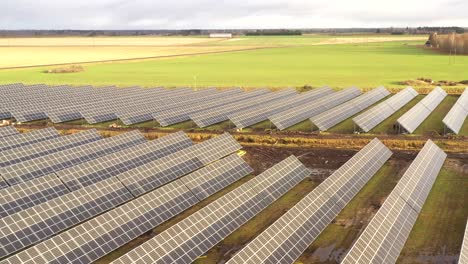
(377, 31)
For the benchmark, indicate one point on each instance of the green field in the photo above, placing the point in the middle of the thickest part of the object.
(343, 65)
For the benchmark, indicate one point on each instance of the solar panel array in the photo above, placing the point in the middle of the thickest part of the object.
(418, 113)
(37, 223)
(41, 221)
(171, 116)
(221, 113)
(260, 113)
(42, 189)
(336, 115)
(464, 249)
(8, 131)
(99, 169)
(101, 235)
(28, 194)
(196, 234)
(20, 154)
(456, 116)
(287, 238)
(41, 166)
(24, 139)
(132, 104)
(386, 234)
(300, 113)
(145, 112)
(156, 173)
(377, 114)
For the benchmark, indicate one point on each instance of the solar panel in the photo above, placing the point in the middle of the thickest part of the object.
(24, 139)
(17, 155)
(8, 131)
(456, 116)
(386, 234)
(377, 114)
(411, 120)
(260, 113)
(71, 111)
(44, 165)
(156, 173)
(173, 116)
(219, 114)
(28, 194)
(3, 183)
(287, 238)
(464, 249)
(92, 171)
(145, 112)
(196, 234)
(302, 112)
(111, 110)
(336, 115)
(103, 234)
(37, 223)
(182, 113)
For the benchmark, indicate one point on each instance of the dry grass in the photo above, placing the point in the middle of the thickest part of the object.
(35, 56)
(66, 69)
(104, 41)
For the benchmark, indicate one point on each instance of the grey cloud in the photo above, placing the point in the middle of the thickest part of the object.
(183, 14)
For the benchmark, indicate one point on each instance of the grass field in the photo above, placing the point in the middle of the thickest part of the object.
(366, 65)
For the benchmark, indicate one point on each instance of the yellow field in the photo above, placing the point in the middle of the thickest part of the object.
(34, 56)
(104, 41)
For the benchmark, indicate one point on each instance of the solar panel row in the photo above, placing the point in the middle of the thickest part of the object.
(20, 154)
(145, 112)
(99, 236)
(221, 113)
(300, 113)
(386, 234)
(24, 139)
(28, 194)
(34, 224)
(336, 115)
(260, 113)
(173, 116)
(42, 189)
(456, 116)
(40, 166)
(377, 114)
(411, 120)
(156, 173)
(99, 169)
(193, 236)
(287, 238)
(8, 131)
(37, 223)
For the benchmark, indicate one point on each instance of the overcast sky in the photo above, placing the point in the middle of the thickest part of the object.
(216, 14)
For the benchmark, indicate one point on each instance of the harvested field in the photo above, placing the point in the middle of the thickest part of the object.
(102, 41)
(13, 57)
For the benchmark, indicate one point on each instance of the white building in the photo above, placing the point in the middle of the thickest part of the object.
(221, 35)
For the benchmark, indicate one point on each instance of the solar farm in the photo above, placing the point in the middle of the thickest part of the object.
(107, 174)
(321, 108)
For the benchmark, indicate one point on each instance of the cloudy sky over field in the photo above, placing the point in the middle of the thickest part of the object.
(184, 14)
